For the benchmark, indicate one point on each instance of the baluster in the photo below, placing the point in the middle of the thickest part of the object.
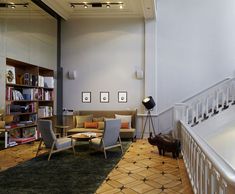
(223, 187)
(207, 106)
(217, 100)
(207, 177)
(215, 181)
(198, 151)
(226, 98)
(187, 119)
(202, 174)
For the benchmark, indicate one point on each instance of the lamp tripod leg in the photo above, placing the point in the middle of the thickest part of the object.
(144, 127)
(152, 125)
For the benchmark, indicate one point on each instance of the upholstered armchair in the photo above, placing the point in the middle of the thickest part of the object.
(50, 140)
(111, 137)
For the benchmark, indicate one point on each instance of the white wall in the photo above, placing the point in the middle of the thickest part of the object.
(195, 47)
(28, 39)
(105, 53)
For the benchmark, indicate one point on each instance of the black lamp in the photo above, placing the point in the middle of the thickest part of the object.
(149, 104)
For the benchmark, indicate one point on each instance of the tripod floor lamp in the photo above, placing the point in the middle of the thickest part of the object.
(149, 104)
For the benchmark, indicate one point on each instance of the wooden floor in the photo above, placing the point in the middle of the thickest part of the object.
(141, 170)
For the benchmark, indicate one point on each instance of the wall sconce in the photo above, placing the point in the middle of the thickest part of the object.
(139, 74)
(13, 5)
(72, 75)
(107, 4)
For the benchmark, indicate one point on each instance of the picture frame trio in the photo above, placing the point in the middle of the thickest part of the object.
(104, 97)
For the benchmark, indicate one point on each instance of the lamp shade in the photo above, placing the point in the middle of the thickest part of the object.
(148, 102)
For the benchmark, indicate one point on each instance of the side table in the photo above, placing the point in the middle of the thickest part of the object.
(63, 129)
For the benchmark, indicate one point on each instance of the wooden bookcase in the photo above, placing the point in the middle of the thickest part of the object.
(29, 97)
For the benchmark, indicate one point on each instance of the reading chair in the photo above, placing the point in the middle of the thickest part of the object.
(50, 140)
(110, 138)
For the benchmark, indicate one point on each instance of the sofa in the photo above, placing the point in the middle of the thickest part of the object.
(93, 121)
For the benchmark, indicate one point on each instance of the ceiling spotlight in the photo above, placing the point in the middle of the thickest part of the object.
(13, 5)
(96, 4)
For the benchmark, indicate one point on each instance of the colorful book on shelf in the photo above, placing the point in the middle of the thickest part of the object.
(23, 139)
(12, 143)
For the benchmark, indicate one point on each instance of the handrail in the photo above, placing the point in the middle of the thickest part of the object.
(189, 98)
(213, 157)
(203, 91)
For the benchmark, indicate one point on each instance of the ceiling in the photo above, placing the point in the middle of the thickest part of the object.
(131, 8)
(32, 10)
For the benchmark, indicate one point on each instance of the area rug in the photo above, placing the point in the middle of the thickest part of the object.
(64, 173)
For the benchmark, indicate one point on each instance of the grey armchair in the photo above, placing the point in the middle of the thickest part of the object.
(111, 137)
(50, 140)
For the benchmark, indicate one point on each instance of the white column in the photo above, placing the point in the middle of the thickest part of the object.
(150, 87)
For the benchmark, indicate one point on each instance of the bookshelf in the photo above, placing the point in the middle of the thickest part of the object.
(29, 97)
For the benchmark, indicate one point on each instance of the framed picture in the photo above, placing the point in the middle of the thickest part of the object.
(10, 74)
(86, 97)
(122, 97)
(104, 97)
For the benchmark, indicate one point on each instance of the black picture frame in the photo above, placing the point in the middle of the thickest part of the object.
(86, 97)
(104, 97)
(122, 97)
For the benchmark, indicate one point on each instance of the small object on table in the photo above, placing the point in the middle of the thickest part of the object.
(63, 129)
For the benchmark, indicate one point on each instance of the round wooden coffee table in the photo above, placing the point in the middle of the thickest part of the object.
(85, 136)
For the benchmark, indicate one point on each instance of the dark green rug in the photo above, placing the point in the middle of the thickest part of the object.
(64, 173)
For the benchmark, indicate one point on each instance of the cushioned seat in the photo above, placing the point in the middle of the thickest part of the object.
(64, 142)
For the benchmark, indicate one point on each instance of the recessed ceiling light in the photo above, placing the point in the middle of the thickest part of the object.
(85, 6)
(108, 5)
(121, 6)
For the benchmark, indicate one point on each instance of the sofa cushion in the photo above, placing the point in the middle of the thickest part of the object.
(98, 119)
(125, 125)
(101, 125)
(91, 125)
(124, 118)
(80, 120)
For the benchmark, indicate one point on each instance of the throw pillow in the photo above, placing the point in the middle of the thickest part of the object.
(81, 119)
(124, 119)
(101, 125)
(98, 119)
(91, 125)
(125, 125)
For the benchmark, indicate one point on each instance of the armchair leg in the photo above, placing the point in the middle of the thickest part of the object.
(73, 150)
(120, 143)
(72, 143)
(51, 151)
(105, 155)
(39, 147)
